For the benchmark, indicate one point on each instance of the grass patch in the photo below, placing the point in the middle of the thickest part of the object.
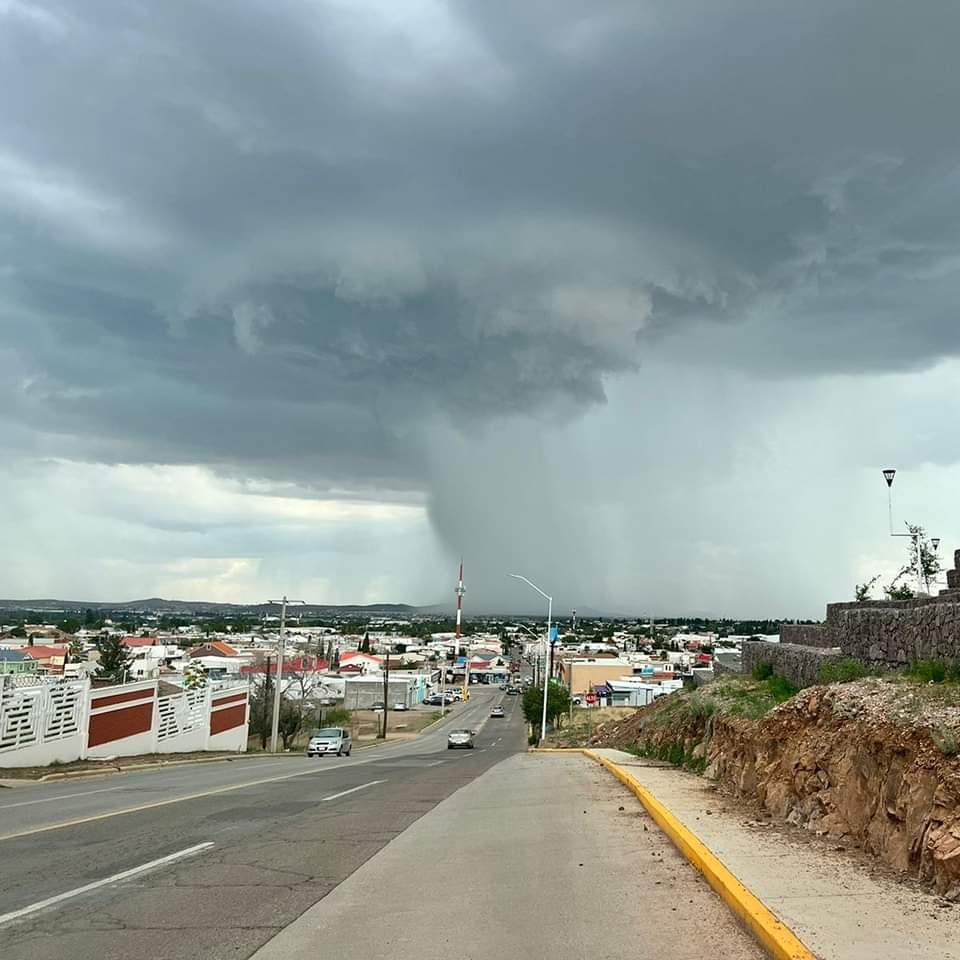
(763, 671)
(780, 688)
(934, 671)
(843, 671)
(701, 706)
(672, 753)
(946, 741)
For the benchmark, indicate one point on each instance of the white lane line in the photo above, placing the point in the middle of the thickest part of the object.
(343, 793)
(436, 763)
(86, 888)
(190, 796)
(63, 796)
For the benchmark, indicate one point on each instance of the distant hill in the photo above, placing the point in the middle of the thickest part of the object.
(194, 607)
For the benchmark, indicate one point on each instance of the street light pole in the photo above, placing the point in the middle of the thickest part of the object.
(888, 475)
(546, 648)
(275, 732)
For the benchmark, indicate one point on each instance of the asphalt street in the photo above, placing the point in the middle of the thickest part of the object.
(213, 860)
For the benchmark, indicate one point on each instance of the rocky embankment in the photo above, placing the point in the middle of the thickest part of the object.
(872, 762)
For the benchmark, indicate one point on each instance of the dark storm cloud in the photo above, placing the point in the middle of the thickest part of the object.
(284, 236)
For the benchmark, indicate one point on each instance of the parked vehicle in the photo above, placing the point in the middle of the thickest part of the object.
(400, 706)
(335, 740)
(497, 712)
(460, 740)
(378, 707)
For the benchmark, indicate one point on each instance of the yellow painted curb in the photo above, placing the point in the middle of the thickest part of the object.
(773, 935)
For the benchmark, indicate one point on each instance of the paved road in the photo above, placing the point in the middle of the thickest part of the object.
(262, 840)
(544, 857)
(402, 851)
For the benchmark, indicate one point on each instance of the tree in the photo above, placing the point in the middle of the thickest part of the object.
(365, 643)
(194, 675)
(558, 704)
(922, 565)
(114, 659)
(291, 722)
(89, 618)
(862, 592)
(76, 652)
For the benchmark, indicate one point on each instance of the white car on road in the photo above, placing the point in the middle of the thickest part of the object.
(335, 740)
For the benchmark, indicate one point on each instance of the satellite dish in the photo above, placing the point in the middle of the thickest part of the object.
(888, 475)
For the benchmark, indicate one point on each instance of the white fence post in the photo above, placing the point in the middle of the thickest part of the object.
(85, 716)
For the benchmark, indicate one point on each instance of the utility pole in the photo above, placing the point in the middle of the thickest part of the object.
(266, 700)
(443, 685)
(278, 691)
(386, 694)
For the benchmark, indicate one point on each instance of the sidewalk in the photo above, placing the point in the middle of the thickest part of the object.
(830, 903)
(544, 857)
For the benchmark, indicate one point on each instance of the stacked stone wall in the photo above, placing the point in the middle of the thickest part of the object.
(800, 665)
(806, 634)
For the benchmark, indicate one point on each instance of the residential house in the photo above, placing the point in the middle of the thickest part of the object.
(49, 659)
(16, 662)
(355, 662)
(213, 648)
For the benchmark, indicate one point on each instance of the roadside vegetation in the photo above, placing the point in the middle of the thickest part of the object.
(676, 728)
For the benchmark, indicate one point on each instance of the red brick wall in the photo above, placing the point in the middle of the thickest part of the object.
(227, 719)
(117, 724)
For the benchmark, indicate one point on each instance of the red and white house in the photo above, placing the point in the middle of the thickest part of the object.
(356, 662)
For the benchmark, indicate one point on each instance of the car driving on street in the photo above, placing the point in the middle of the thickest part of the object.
(335, 740)
(460, 740)
(497, 712)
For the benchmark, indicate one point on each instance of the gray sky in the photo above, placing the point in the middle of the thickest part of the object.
(634, 297)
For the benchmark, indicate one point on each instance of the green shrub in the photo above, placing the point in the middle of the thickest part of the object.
(928, 671)
(780, 688)
(696, 764)
(338, 717)
(946, 741)
(763, 671)
(701, 707)
(843, 671)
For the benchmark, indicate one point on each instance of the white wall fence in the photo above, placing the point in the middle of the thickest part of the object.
(46, 720)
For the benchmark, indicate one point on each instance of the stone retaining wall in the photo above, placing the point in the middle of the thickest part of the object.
(800, 665)
(896, 633)
(806, 634)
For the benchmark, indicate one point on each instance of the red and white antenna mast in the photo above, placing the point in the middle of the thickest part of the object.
(459, 592)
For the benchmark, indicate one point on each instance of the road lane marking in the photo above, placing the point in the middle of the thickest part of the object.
(86, 888)
(436, 763)
(167, 802)
(64, 796)
(343, 793)
(399, 750)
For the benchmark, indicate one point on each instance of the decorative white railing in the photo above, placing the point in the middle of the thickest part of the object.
(180, 713)
(40, 712)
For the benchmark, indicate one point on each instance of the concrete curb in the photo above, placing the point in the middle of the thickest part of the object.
(773, 935)
(108, 768)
